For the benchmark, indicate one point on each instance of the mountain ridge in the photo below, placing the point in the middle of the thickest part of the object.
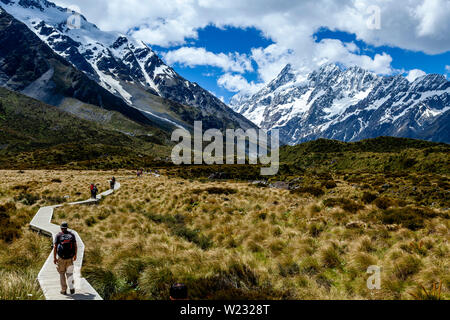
(122, 65)
(350, 104)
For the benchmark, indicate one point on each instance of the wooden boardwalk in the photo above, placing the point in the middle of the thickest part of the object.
(48, 277)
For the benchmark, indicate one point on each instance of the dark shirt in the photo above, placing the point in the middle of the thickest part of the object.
(67, 237)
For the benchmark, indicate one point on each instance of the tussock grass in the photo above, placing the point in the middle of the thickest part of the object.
(229, 239)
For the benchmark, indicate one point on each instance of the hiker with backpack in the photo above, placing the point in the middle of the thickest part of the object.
(112, 183)
(91, 187)
(64, 254)
(94, 192)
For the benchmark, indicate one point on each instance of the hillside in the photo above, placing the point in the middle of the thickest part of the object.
(33, 134)
(387, 154)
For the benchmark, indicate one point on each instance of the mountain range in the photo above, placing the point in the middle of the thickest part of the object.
(139, 83)
(96, 75)
(350, 104)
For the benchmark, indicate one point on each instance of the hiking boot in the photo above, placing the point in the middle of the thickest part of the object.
(72, 291)
(63, 292)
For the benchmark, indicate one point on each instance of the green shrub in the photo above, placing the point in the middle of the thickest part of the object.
(104, 281)
(131, 270)
(409, 217)
(55, 200)
(177, 226)
(9, 230)
(407, 266)
(27, 198)
(90, 221)
(156, 283)
(289, 269)
(346, 204)
(310, 266)
(315, 229)
(330, 258)
(193, 236)
(237, 282)
(315, 191)
(369, 197)
(330, 184)
(384, 203)
(216, 190)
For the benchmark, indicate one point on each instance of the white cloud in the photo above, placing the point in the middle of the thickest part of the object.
(331, 50)
(414, 74)
(422, 25)
(237, 83)
(418, 25)
(434, 18)
(200, 56)
(447, 68)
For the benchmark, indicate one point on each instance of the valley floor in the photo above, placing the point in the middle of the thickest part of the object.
(231, 239)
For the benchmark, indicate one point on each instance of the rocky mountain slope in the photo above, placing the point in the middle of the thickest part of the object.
(349, 105)
(124, 66)
(29, 66)
(36, 135)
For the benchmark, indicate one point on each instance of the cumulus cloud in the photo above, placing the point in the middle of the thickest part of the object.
(200, 56)
(419, 25)
(414, 74)
(237, 83)
(422, 25)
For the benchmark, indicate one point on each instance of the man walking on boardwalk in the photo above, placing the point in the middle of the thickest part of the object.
(64, 254)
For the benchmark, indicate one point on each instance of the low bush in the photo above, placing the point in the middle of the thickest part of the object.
(177, 227)
(407, 266)
(408, 217)
(9, 230)
(330, 184)
(237, 282)
(384, 203)
(315, 191)
(90, 221)
(330, 258)
(346, 204)
(27, 198)
(216, 190)
(369, 197)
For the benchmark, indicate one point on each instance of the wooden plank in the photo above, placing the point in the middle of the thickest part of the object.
(48, 276)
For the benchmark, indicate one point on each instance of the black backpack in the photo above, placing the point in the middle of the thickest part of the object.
(66, 248)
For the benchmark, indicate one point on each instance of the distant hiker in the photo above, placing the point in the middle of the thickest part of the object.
(64, 254)
(112, 183)
(178, 291)
(91, 187)
(94, 192)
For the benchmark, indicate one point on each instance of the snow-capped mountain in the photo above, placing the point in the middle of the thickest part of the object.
(124, 66)
(351, 104)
